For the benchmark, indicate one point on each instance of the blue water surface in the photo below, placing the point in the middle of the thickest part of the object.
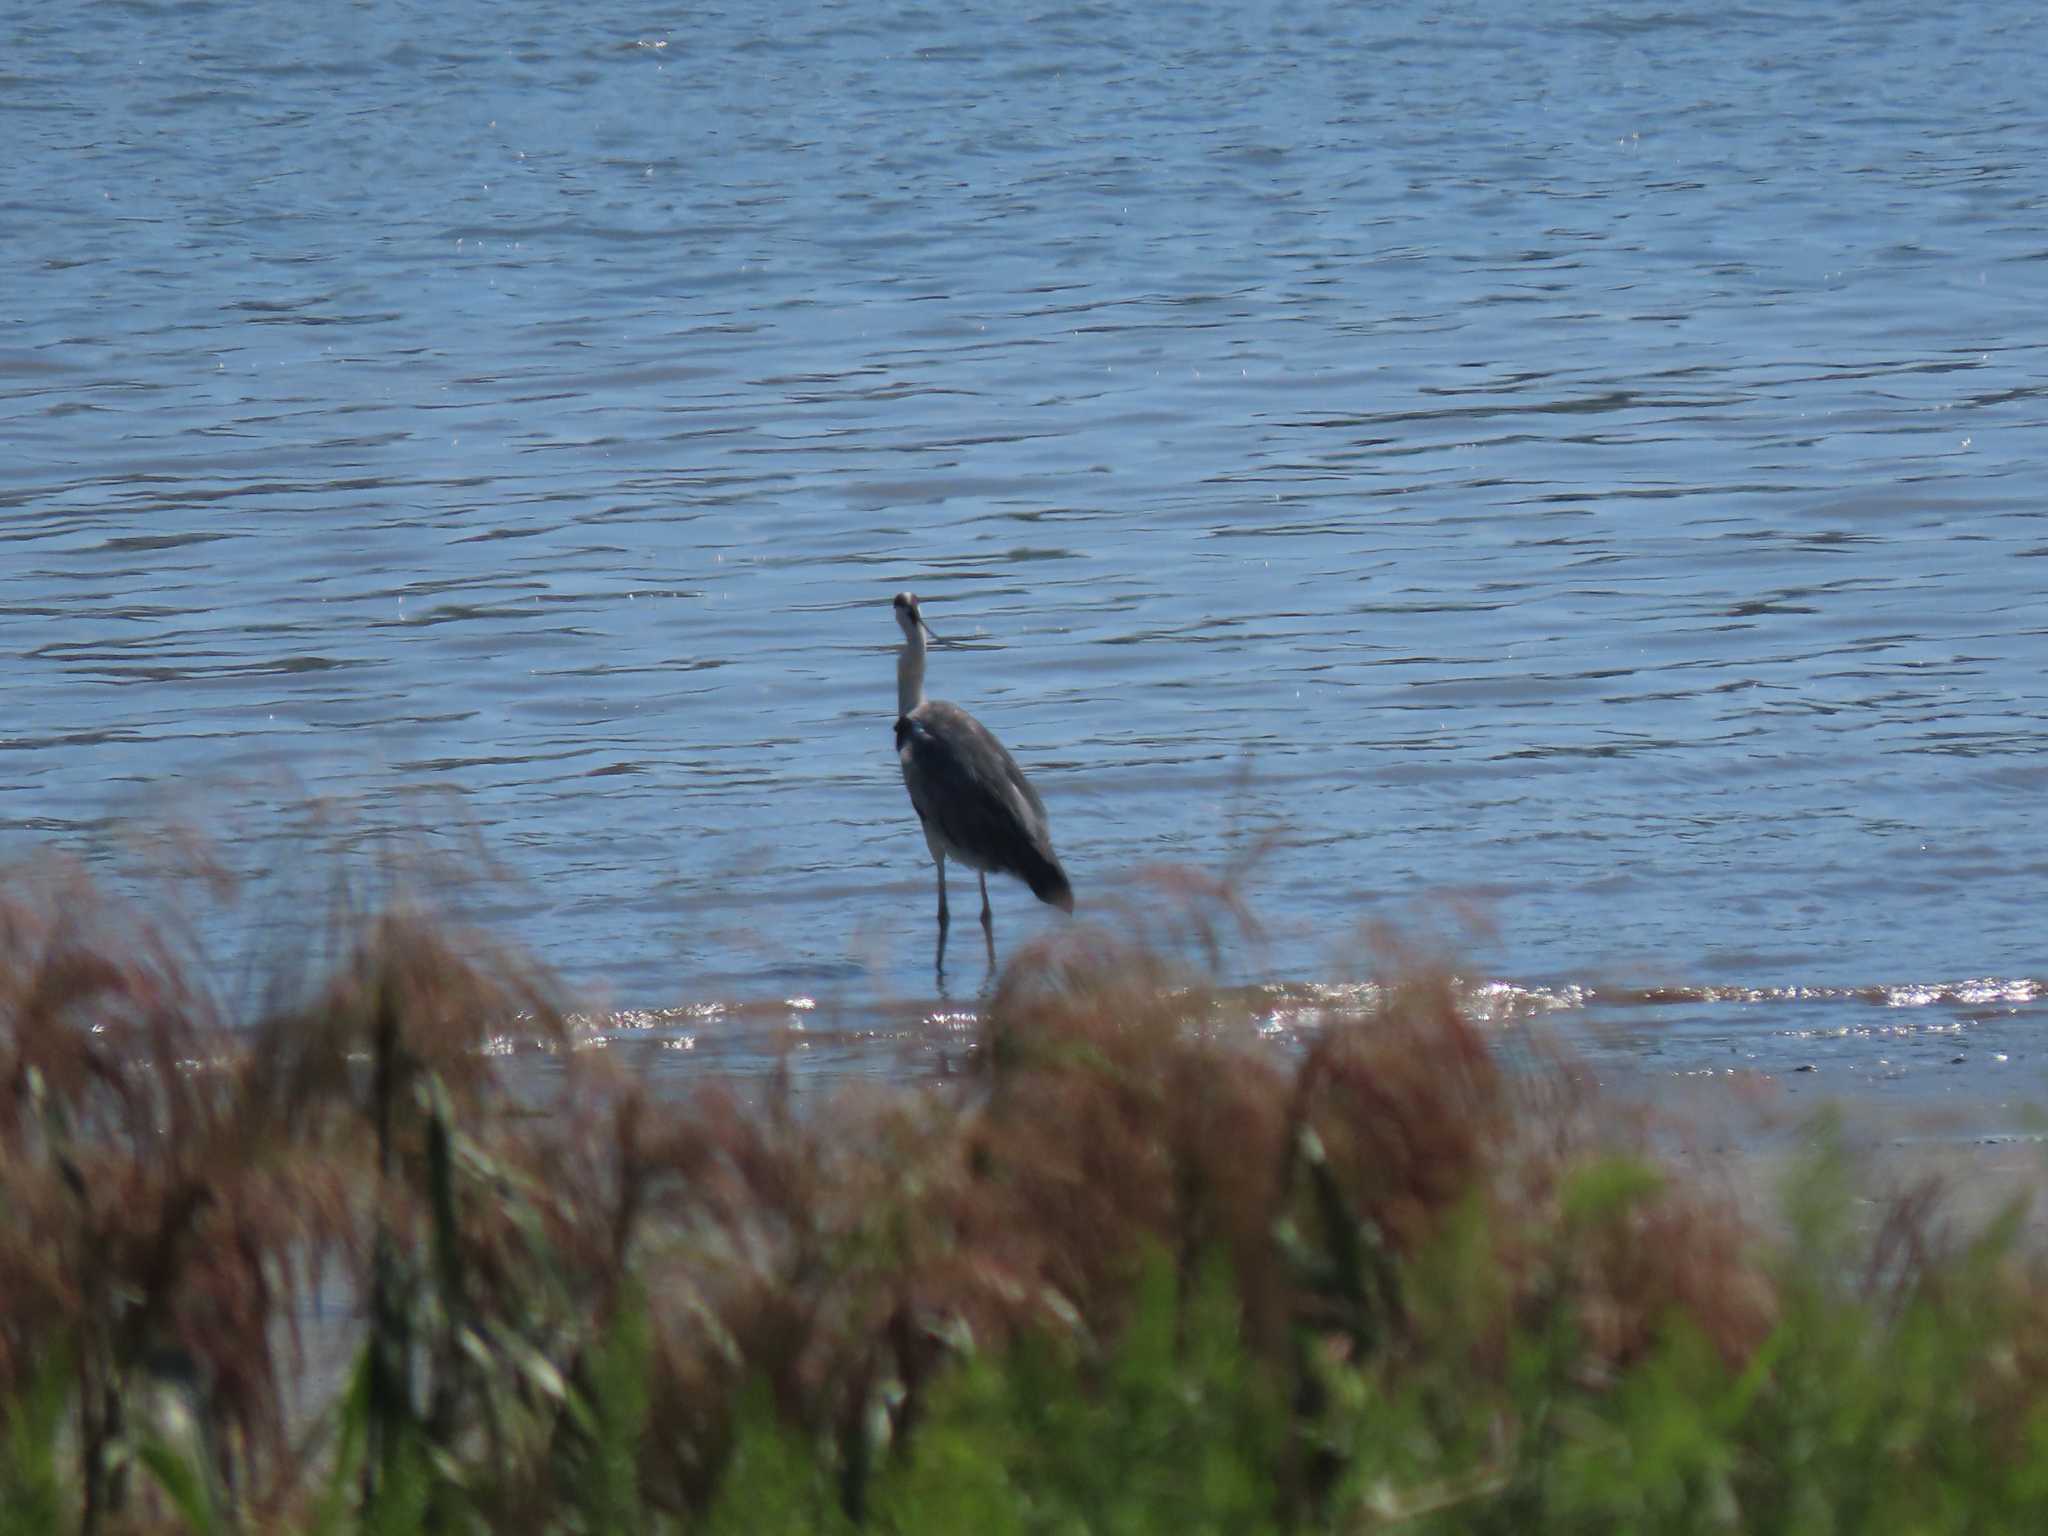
(1576, 471)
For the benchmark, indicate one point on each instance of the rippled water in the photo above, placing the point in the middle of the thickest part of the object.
(1580, 467)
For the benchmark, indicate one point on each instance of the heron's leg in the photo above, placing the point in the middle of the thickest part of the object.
(945, 917)
(987, 918)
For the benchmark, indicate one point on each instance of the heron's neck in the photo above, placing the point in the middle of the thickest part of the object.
(910, 675)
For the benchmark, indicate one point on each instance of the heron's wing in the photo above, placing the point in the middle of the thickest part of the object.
(964, 782)
(1018, 782)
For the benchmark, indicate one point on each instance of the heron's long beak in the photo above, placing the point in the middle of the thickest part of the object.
(935, 640)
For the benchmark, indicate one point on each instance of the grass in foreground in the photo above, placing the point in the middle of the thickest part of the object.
(1146, 1275)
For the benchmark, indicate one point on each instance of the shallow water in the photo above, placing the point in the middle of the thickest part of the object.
(1582, 472)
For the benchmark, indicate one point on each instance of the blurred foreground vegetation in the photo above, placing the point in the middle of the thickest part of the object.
(1138, 1271)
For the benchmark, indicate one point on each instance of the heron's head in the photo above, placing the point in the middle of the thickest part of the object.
(908, 617)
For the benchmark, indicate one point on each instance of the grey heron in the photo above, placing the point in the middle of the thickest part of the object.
(972, 799)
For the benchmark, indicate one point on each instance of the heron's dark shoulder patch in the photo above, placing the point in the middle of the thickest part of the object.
(903, 730)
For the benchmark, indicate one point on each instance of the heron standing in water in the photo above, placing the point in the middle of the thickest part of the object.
(973, 800)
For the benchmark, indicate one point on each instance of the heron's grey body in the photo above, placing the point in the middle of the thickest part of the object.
(973, 800)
